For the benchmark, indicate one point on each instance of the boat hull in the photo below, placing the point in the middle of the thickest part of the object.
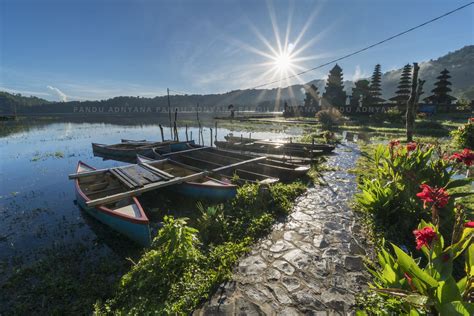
(207, 192)
(136, 230)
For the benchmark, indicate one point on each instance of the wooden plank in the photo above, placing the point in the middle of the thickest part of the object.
(145, 188)
(123, 179)
(87, 173)
(240, 163)
(184, 151)
(160, 172)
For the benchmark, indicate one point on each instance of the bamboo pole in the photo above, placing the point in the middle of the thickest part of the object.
(187, 139)
(175, 124)
(211, 137)
(215, 126)
(161, 130)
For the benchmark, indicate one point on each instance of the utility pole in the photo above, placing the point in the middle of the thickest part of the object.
(169, 113)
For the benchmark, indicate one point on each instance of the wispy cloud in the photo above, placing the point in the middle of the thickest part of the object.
(61, 95)
(359, 74)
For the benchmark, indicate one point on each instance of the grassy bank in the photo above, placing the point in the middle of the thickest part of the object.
(389, 177)
(185, 264)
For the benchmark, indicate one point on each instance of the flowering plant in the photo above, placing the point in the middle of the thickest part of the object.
(466, 157)
(432, 287)
(392, 194)
(463, 137)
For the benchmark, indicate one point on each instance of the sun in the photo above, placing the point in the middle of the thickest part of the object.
(283, 62)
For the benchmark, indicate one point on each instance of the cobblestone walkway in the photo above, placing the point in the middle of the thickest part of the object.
(311, 264)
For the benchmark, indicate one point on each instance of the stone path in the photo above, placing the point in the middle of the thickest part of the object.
(311, 264)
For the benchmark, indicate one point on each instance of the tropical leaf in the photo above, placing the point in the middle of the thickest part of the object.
(409, 265)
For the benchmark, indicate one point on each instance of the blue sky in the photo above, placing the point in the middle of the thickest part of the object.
(78, 50)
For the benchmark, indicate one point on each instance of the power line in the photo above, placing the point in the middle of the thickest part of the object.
(367, 47)
(175, 91)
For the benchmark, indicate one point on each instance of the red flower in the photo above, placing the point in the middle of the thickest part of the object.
(469, 224)
(435, 195)
(411, 146)
(466, 156)
(393, 143)
(471, 119)
(424, 237)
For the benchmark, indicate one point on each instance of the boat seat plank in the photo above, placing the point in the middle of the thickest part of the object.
(140, 176)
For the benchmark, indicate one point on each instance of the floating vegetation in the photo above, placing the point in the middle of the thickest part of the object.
(38, 156)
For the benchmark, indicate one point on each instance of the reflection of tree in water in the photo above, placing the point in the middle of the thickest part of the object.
(25, 123)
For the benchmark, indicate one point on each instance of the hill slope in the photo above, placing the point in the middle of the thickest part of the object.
(460, 63)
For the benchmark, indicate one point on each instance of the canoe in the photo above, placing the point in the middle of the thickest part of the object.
(209, 157)
(120, 151)
(205, 188)
(284, 143)
(125, 216)
(127, 151)
(206, 158)
(273, 149)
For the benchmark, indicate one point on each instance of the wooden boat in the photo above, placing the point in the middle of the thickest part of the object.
(207, 158)
(136, 179)
(286, 143)
(125, 215)
(273, 149)
(127, 151)
(204, 188)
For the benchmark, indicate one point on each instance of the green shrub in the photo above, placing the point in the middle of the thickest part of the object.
(463, 137)
(212, 224)
(388, 194)
(329, 118)
(179, 272)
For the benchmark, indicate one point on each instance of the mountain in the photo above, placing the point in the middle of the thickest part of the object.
(9, 102)
(460, 63)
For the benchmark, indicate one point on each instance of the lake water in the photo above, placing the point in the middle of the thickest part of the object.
(37, 202)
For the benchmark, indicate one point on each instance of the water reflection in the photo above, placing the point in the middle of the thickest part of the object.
(37, 199)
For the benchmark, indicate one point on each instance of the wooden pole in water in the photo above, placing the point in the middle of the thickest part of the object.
(187, 139)
(215, 126)
(202, 136)
(191, 134)
(161, 130)
(176, 124)
(211, 137)
(169, 112)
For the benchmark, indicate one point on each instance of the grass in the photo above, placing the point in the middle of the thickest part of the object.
(185, 265)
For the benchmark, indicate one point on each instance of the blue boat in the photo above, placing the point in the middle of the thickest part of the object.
(125, 216)
(204, 188)
(128, 149)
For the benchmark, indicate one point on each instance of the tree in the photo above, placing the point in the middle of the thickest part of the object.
(440, 92)
(416, 91)
(376, 87)
(404, 88)
(360, 93)
(334, 96)
(311, 96)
